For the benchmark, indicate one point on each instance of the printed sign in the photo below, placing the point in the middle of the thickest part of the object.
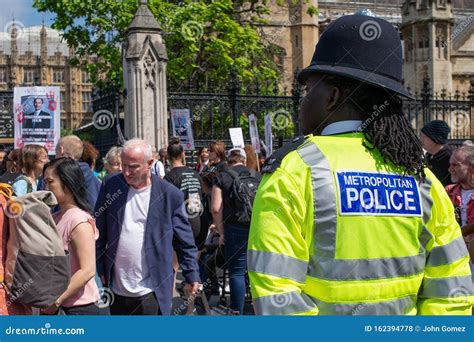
(377, 194)
(36, 116)
(237, 137)
(181, 122)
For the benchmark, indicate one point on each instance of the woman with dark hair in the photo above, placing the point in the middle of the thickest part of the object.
(64, 178)
(203, 159)
(14, 165)
(34, 157)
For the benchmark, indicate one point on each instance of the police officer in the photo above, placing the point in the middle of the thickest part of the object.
(347, 220)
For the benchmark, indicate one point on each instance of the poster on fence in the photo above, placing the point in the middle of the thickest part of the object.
(36, 113)
(254, 133)
(182, 127)
(268, 135)
(237, 137)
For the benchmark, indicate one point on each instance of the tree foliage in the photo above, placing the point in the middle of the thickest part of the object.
(205, 39)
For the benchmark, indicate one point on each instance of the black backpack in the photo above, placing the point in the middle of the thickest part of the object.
(244, 188)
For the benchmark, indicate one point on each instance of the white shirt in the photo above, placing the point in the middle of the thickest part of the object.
(465, 196)
(131, 276)
(158, 168)
(339, 127)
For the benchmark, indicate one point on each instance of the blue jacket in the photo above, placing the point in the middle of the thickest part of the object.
(92, 183)
(167, 228)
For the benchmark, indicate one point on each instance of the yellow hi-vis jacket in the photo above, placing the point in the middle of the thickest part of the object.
(337, 231)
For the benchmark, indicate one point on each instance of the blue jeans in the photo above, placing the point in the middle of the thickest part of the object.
(236, 238)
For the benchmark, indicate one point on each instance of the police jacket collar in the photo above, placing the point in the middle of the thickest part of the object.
(342, 127)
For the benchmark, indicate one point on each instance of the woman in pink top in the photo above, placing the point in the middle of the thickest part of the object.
(75, 224)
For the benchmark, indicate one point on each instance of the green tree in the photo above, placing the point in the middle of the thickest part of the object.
(205, 39)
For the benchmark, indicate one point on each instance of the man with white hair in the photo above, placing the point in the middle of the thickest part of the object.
(141, 220)
(461, 168)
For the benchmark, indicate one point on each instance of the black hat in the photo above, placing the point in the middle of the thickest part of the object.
(437, 130)
(360, 47)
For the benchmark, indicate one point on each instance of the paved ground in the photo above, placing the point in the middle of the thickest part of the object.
(180, 306)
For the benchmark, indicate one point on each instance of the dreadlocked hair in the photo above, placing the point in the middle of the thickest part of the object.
(386, 128)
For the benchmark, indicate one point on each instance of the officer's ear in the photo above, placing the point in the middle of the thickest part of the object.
(334, 97)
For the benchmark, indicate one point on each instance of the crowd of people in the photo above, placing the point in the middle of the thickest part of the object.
(168, 216)
(359, 216)
(165, 216)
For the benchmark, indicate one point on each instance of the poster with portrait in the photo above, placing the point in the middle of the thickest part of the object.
(36, 113)
(182, 127)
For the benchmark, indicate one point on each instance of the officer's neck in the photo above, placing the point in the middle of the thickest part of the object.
(345, 118)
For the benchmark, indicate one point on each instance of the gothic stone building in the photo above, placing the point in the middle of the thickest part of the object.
(438, 37)
(38, 56)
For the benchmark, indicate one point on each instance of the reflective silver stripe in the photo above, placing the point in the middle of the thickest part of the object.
(277, 265)
(447, 254)
(426, 205)
(424, 238)
(400, 306)
(288, 303)
(447, 287)
(325, 211)
(426, 200)
(366, 269)
(323, 264)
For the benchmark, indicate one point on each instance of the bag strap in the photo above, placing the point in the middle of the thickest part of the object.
(234, 174)
(29, 186)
